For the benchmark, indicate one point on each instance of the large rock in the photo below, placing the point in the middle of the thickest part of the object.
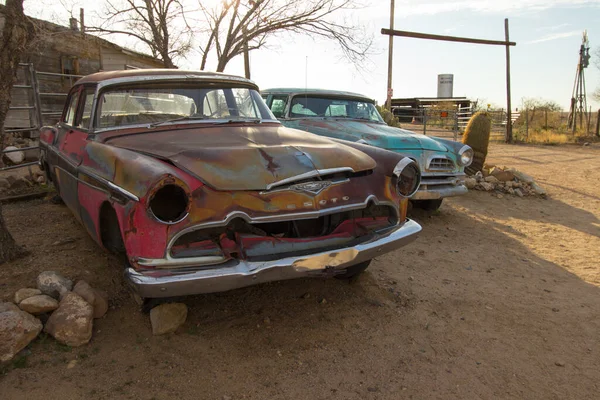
(470, 183)
(15, 157)
(72, 322)
(96, 298)
(24, 293)
(53, 284)
(17, 330)
(166, 318)
(502, 175)
(38, 304)
(491, 179)
(522, 176)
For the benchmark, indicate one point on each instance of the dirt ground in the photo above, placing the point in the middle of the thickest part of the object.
(498, 298)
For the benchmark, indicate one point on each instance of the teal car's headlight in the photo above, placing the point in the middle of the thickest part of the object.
(465, 156)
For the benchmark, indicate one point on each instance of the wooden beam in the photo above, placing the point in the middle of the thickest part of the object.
(418, 35)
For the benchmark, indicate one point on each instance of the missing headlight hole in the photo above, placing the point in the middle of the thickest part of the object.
(169, 203)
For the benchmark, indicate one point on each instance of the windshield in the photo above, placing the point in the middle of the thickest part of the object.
(311, 106)
(159, 104)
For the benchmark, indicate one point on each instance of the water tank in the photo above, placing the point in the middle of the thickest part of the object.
(445, 85)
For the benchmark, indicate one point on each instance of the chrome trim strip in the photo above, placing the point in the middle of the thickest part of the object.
(119, 189)
(309, 174)
(180, 262)
(246, 273)
(280, 217)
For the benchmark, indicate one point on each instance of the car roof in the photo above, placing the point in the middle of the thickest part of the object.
(318, 92)
(135, 75)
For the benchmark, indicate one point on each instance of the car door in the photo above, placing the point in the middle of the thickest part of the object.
(71, 141)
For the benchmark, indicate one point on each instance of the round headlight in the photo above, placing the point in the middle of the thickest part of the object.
(465, 155)
(408, 177)
(169, 204)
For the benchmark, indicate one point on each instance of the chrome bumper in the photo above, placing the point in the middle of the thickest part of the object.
(437, 186)
(225, 277)
(437, 192)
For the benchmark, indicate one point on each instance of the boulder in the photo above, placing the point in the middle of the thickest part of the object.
(24, 293)
(538, 189)
(15, 157)
(17, 330)
(502, 175)
(53, 284)
(96, 298)
(38, 304)
(470, 183)
(521, 176)
(491, 179)
(72, 321)
(166, 318)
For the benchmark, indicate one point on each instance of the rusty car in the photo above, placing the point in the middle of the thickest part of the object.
(354, 117)
(190, 176)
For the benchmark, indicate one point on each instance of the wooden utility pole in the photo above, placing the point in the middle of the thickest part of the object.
(82, 22)
(508, 138)
(388, 103)
(418, 35)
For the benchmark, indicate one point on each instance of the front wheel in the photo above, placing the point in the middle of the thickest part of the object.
(353, 270)
(428, 205)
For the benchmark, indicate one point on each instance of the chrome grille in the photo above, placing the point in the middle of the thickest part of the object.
(441, 164)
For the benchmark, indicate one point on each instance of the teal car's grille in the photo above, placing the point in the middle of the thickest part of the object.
(441, 164)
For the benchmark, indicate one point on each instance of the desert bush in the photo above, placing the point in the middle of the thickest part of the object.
(388, 117)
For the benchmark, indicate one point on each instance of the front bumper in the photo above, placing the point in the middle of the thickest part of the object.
(438, 187)
(246, 273)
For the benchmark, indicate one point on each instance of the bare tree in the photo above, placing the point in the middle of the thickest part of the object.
(17, 33)
(233, 23)
(596, 94)
(159, 24)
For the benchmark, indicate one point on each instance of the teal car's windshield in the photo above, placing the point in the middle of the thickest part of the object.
(336, 107)
(159, 103)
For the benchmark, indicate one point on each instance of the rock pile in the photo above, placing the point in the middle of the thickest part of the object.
(69, 312)
(504, 180)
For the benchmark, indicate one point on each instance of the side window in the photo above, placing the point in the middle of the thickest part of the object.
(69, 118)
(88, 99)
(278, 104)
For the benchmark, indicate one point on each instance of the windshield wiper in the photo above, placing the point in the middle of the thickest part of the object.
(183, 118)
(233, 121)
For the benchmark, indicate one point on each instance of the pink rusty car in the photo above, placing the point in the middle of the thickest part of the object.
(191, 177)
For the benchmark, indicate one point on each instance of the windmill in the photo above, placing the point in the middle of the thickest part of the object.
(578, 98)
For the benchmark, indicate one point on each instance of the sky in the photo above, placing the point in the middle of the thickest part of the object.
(548, 34)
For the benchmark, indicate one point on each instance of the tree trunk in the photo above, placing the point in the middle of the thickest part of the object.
(16, 36)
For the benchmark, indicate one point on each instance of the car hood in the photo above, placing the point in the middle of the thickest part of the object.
(243, 157)
(379, 135)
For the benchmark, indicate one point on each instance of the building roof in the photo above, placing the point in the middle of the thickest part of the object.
(316, 92)
(133, 75)
(56, 28)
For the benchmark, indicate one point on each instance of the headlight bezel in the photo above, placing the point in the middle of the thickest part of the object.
(183, 196)
(465, 150)
(401, 167)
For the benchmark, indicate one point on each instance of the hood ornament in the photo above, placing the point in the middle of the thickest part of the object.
(315, 187)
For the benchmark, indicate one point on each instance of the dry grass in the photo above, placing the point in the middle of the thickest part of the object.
(553, 137)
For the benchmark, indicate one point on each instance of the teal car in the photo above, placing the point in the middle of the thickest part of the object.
(353, 117)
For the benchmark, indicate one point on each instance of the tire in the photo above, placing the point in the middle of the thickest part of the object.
(428, 205)
(353, 270)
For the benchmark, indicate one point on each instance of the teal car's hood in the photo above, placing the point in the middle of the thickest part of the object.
(379, 135)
